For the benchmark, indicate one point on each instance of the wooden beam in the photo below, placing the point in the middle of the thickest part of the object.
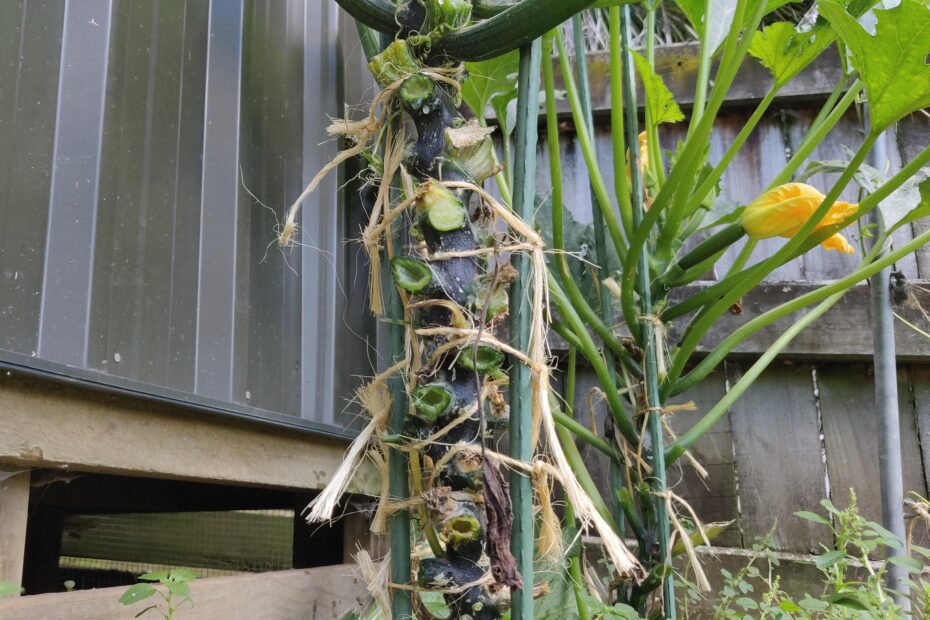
(320, 593)
(840, 334)
(678, 64)
(44, 424)
(14, 509)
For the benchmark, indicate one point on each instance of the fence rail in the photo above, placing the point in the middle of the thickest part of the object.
(808, 429)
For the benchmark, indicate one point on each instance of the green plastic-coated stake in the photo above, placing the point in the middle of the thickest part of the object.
(399, 522)
(649, 341)
(600, 239)
(522, 540)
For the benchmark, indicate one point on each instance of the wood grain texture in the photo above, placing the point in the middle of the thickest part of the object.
(44, 424)
(920, 392)
(714, 498)
(14, 509)
(320, 593)
(678, 64)
(850, 429)
(841, 334)
(913, 136)
(778, 457)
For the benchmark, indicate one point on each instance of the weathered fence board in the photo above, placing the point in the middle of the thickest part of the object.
(850, 428)
(714, 498)
(678, 65)
(322, 593)
(778, 457)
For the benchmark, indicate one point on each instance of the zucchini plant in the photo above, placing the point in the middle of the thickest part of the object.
(446, 245)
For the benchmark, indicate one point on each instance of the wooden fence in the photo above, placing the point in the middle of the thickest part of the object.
(807, 430)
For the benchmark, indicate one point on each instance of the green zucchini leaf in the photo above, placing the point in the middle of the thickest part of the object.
(491, 82)
(892, 63)
(659, 99)
(786, 52)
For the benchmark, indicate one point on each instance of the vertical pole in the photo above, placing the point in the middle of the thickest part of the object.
(886, 404)
(600, 241)
(649, 342)
(14, 509)
(399, 522)
(521, 402)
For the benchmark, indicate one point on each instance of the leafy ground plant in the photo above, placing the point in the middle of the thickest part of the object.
(8, 588)
(175, 593)
(625, 310)
(851, 586)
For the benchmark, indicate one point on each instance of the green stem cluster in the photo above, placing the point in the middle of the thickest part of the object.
(645, 237)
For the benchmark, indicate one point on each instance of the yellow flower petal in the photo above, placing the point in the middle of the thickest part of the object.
(839, 243)
(643, 156)
(782, 211)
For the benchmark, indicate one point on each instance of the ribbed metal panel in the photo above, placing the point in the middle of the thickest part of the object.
(148, 151)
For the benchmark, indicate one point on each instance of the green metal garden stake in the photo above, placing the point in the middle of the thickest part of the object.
(600, 238)
(523, 537)
(647, 321)
(399, 522)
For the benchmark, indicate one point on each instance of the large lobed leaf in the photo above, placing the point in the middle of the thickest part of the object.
(659, 99)
(717, 15)
(908, 203)
(491, 82)
(892, 63)
(786, 52)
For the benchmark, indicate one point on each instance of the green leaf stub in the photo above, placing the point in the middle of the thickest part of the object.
(489, 359)
(431, 401)
(410, 274)
(444, 211)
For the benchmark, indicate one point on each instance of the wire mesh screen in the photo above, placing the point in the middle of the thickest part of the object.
(100, 550)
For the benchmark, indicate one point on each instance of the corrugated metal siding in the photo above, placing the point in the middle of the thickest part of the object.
(148, 150)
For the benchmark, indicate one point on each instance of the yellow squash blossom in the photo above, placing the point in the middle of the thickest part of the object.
(643, 157)
(780, 212)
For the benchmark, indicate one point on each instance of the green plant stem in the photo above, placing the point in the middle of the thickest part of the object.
(577, 299)
(583, 433)
(656, 167)
(586, 142)
(371, 42)
(574, 563)
(507, 30)
(707, 422)
(649, 343)
(399, 522)
(734, 52)
(711, 179)
(503, 186)
(376, 14)
(743, 257)
(621, 184)
(865, 270)
(514, 28)
(578, 467)
(521, 414)
(600, 242)
(703, 74)
(588, 349)
(715, 292)
(743, 282)
(816, 134)
(690, 160)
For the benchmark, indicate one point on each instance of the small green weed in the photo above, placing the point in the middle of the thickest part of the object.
(176, 593)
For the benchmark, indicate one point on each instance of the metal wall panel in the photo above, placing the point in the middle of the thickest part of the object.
(30, 52)
(148, 151)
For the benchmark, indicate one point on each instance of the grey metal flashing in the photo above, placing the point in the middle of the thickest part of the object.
(322, 222)
(64, 322)
(15, 363)
(216, 299)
